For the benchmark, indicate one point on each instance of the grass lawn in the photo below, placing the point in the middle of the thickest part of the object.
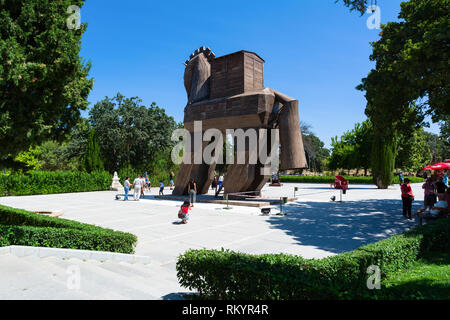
(428, 278)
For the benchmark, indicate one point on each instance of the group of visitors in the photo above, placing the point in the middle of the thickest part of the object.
(139, 184)
(436, 198)
(142, 184)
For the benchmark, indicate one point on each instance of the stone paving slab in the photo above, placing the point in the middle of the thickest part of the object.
(314, 227)
(367, 214)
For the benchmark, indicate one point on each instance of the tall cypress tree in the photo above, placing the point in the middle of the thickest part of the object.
(92, 158)
(383, 161)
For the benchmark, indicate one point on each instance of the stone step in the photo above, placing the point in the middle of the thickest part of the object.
(96, 283)
(59, 271)
(94, 276)
(23, 279)
(43, 252)
(33, 277)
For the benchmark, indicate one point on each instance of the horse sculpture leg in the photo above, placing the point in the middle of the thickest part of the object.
(203, 175)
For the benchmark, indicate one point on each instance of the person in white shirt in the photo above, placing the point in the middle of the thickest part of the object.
(137, 184)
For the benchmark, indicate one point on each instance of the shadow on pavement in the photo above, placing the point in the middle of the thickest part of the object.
(339, 227)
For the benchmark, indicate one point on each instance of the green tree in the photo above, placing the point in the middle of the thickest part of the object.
(78, 140)
(29, 160)
(43, 81)
(410, 80)
(342, 154)
(92, 158)
(358, 5)
(129, 133)
(437, 146)
(54, 157)
(414, 151)
(353, 149)
(315, 151)
(363, 140)
(445, 137)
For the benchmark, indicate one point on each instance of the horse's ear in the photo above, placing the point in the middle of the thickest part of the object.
(197, 74)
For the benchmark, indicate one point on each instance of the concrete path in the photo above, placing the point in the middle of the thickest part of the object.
(315, 227)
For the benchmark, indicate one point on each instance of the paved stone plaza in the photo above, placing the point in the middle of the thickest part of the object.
(314, 227)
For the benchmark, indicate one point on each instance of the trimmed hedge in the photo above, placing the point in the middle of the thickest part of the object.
(49, 182)
(20, 227)
(330, 179)
(231, 275)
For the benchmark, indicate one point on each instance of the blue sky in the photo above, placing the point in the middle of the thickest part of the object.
(316, 51)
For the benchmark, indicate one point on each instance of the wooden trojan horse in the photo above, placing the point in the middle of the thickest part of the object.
(228, 93)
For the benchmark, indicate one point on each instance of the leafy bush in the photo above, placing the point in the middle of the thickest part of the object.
(20, 227)
(231, 275)
(330, 179)
(154, 175)
(3, 241)
(49, 182)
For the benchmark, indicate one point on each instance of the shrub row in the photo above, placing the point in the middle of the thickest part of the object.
(20, 227)
(231, 275)
(330, 179)
(49, 182)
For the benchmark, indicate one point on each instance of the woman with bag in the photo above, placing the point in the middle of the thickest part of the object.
(407, 198)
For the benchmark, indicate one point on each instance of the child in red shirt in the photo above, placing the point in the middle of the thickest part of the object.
(183, 214)
(407, 198)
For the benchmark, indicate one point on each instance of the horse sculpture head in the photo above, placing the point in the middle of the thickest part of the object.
(197, 75)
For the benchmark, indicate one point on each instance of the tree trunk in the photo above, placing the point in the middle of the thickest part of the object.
(383, 160)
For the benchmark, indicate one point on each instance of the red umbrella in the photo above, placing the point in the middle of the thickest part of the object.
(438, 166)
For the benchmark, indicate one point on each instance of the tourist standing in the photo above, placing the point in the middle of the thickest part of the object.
(400, 178)
(137, 184)
(407, 198)
(146, 181)
(172, 178)
(126, 187)
(445, 179)
(214, 184)
(430, 193)
(142, 187)
(161, 188)
(440, 188)
(220, 181)
(192, 190)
